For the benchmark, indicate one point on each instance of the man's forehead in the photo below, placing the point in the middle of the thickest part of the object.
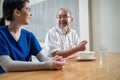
(63, 12)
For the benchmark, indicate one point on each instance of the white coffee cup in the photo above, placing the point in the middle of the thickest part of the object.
(86, 55)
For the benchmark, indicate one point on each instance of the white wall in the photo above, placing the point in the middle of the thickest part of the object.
(84, 22)
(106, 24)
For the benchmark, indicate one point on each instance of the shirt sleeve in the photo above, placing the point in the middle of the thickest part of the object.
(35, 47)
(3, 47)
(51, 43)
(77, 39)
(10, 65)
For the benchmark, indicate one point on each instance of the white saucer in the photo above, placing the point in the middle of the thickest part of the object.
(86, 59)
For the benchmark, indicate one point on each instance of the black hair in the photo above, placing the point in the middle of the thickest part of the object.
(8, 7)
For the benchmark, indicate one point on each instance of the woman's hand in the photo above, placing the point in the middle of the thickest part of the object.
(58, 62)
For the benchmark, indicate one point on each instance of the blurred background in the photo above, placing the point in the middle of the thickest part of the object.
(97, 21)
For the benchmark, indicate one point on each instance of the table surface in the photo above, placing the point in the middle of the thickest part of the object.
(102, 68)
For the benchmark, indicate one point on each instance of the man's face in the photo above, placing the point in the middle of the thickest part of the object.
(63, 18)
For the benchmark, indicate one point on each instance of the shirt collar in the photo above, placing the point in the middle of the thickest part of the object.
(59, 30)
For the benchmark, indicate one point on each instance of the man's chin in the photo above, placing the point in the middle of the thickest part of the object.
(62, 26)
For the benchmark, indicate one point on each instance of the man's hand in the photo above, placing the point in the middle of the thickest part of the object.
(82, 45)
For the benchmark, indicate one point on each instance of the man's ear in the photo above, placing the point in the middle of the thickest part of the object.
(71, 20)
(16, 12)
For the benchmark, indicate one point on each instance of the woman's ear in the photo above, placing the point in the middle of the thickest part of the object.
(16, 12)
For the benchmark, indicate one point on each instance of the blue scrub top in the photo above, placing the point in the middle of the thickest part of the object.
(20, 50)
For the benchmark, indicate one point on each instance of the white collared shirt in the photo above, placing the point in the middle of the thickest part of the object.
(56, 40)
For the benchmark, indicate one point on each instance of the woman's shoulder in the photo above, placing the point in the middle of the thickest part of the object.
(26, 32)
(2, 28)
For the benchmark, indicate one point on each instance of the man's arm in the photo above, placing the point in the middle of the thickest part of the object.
(66, 53)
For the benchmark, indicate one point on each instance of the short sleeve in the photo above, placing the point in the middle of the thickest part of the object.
(76, 38)
(35, 47)
(51, 43)
(3, 47)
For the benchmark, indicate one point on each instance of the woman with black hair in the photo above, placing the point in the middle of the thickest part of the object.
(17, 45)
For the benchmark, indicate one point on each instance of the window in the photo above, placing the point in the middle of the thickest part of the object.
(44, 16)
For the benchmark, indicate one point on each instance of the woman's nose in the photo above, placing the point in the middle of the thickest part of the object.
(30, 13)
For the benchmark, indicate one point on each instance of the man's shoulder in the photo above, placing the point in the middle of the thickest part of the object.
(52, 30)
(72, 30)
